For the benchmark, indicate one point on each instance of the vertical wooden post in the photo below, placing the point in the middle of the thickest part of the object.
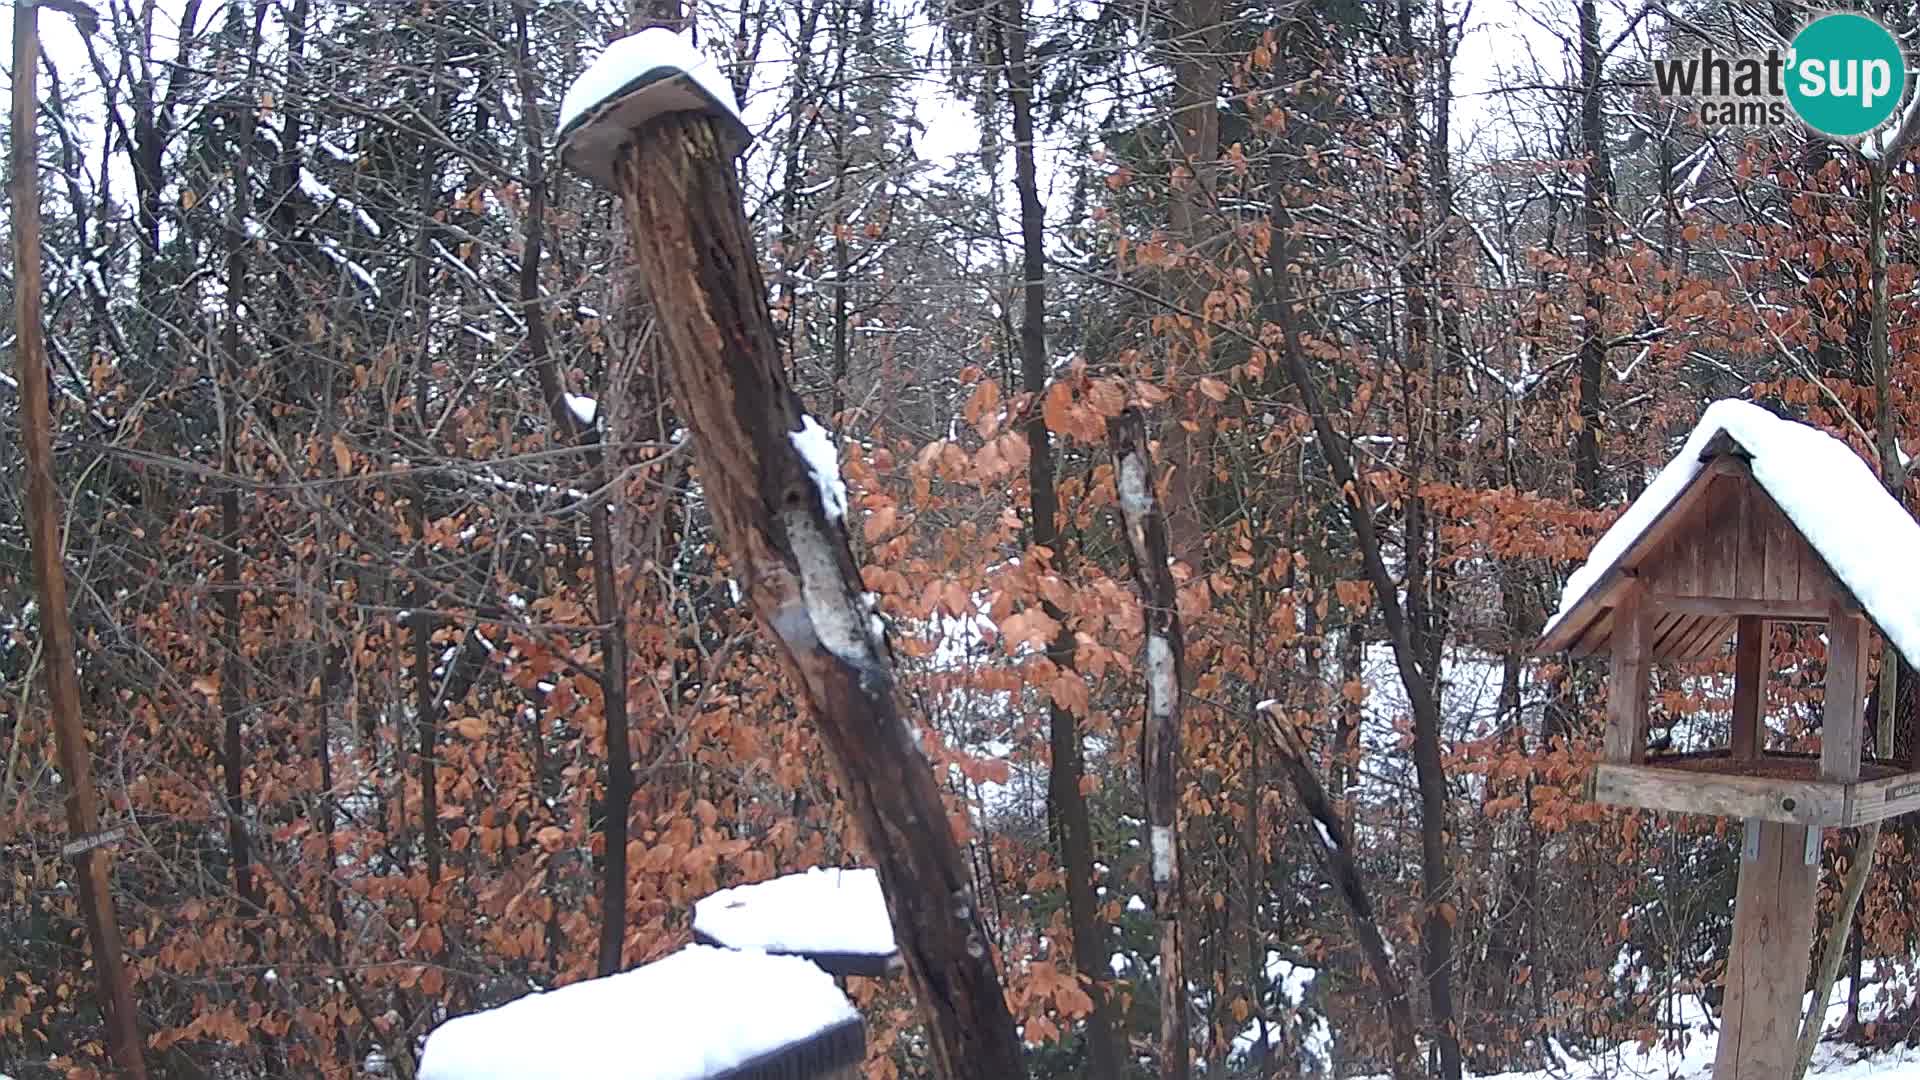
(1767, 962)
(1750, 688)
(86, 846)
(1843, 719)
(1626, 741)
(771, 479)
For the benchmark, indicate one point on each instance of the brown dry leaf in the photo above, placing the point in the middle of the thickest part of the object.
(1057, 408)
(881, 522)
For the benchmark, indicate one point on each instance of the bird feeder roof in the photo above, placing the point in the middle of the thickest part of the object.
(1828, 495)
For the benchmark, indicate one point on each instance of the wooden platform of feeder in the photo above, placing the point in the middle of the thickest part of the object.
(1771, 787)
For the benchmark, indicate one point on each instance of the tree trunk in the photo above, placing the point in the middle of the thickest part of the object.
(778, 509)
(49, 570)
(1336, 848)
(1893, 473)
(233, 696)
(1195, 53)
(1594, 218)
(1065, 800)
(1859, 869)
(609, 606)
(1147, 546)
(1436, 872)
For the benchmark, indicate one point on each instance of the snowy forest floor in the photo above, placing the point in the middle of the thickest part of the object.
(1694, 1059)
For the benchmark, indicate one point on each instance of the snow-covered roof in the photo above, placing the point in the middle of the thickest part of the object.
(697, 1014)
(1827, 492)
(637, 78)
(838, 918)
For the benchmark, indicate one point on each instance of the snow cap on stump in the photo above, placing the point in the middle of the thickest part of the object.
(637, 78)
(833, 917)
(700, 1014)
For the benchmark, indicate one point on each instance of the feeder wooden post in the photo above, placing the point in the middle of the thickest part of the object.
(779, 521)
(1843, 717)
(1749, 688)
(1767, 960)
(1627, 685)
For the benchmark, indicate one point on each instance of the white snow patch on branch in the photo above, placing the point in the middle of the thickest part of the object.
(815, 446)
(1136, 495)
(1160, 841)
(1326, 835)
(1163, 686)
(584, 409)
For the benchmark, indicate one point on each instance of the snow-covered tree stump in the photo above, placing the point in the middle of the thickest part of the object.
(771, 479)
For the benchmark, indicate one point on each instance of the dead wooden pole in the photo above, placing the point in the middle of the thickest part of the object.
(1336, 849)
(771, 479)
(86, 846)
(1147, 546)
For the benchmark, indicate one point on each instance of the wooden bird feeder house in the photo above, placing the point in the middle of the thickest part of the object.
(1759, 520)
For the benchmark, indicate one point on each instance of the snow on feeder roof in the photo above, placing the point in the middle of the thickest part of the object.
(637, 78)
(835, 918)
(700, 1014)
(1832, 500)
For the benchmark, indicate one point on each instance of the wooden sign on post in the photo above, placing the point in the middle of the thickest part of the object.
(653, 118)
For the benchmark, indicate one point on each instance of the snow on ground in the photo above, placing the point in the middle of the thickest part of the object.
(1315, 1051)
(1827, 491)
(693, 1014)
(1694, 1059)
(820, 910)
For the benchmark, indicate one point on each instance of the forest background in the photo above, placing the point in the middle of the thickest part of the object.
(417, 683)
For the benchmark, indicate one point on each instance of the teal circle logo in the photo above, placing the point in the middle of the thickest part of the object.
(1845, 75)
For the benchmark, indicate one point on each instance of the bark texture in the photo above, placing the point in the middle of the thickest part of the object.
(1148, 546)
(781, 528)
